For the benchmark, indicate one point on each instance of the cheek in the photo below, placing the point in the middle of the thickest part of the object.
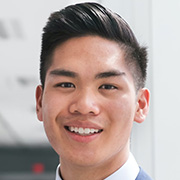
(53, 104)
(121, 115)
(51, 107)
(123, 107)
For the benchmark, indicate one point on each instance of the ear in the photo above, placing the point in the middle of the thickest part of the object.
(39, 94)
(142, 105)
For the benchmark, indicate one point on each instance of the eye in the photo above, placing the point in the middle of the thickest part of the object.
(107, 87)
(65, 85)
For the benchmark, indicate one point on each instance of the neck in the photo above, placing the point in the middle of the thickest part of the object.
(70, 171)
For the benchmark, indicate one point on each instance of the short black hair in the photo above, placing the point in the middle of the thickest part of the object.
(92, 19)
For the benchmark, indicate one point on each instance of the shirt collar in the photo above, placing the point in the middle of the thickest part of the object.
(128, 171)
(57, 173)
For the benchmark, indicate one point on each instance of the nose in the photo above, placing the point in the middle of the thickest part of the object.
(85, 103)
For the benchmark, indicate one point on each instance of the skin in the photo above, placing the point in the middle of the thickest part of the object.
(89, 85)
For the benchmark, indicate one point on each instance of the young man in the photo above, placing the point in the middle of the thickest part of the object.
(93, 73)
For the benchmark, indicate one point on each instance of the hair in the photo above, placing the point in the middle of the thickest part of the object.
(92, 19)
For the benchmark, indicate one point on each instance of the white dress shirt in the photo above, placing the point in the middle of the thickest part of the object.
(128, 171)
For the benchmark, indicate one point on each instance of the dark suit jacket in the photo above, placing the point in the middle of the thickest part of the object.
(142, 175)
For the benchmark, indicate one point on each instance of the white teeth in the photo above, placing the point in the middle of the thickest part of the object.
(87, 131)
(83, 131)
(76, 129)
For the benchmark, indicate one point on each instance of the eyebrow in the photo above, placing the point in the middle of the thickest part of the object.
(108, 74)
(62, 72)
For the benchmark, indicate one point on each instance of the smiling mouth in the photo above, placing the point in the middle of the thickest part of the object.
(83, 131)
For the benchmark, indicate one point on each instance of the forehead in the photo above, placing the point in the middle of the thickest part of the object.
(92, 50)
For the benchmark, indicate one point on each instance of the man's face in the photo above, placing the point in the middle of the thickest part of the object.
(89, 102)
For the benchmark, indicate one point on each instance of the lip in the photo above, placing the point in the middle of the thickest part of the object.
(83, 138)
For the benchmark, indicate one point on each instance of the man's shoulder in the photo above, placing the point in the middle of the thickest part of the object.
(143, 175)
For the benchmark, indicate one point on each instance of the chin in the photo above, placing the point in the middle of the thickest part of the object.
(83, 159)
